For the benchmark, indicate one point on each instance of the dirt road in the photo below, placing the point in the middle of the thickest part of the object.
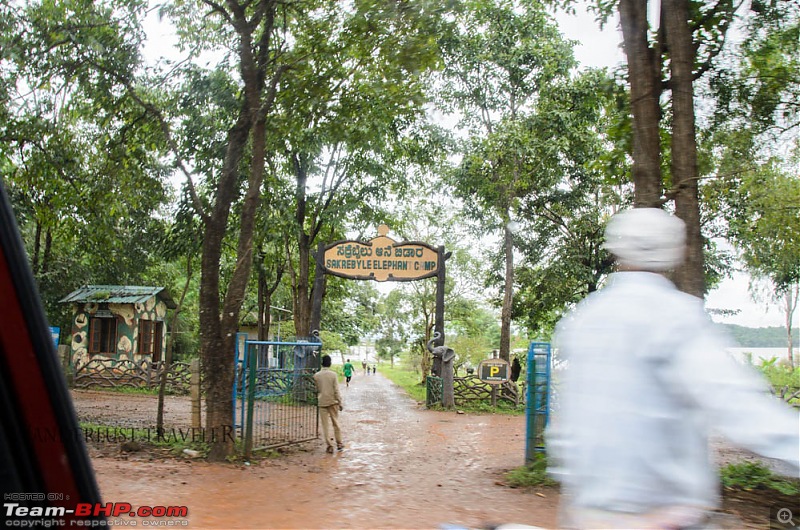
(404, 467)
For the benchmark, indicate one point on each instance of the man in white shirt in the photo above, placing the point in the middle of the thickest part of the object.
(646, 376)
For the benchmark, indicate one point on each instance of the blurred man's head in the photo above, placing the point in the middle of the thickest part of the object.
(326, 361)
(646, 239)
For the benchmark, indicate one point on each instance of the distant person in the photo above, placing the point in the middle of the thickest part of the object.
(330, 403)
(348, 372)
(646, 376)
(374, 369)
(364, 366)
(516, 369)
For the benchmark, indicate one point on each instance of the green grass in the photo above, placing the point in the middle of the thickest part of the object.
(531, 474)
(782, 377)
(405, 379)
(487, 408)
(753, 475)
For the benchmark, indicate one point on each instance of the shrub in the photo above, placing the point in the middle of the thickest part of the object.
(531, 474)
(754, 475)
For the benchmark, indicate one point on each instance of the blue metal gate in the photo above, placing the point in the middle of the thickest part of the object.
(537, 399)
(275, 399)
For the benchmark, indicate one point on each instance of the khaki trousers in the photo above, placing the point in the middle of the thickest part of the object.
(328, 416)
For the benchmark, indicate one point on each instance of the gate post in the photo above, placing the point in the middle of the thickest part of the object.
(251, 398)
(318, 287)
(537, 402)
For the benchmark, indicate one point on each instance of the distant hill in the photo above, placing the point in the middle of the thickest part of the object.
(773, 337)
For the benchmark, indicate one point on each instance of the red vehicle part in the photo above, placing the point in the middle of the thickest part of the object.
(43, 460)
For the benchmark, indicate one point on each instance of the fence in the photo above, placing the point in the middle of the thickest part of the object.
(275, 398)
(114, 374)
(470, 389)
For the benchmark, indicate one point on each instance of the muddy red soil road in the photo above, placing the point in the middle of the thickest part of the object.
(404, 467)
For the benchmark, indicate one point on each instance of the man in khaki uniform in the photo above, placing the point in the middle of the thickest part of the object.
(329, 401)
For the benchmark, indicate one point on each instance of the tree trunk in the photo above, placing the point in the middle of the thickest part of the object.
(645, 81)
(218, 332)
(690, 276)
(162, 386)
(37, 243)
(302, 280)
(791, 305)
(263, 302)
(508, 294)
(48, 250)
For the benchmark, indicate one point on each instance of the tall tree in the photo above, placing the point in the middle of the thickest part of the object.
(261, 50)
(681, 45)
(502, 55)
(763, 211)
(83, 158)
(351, 118)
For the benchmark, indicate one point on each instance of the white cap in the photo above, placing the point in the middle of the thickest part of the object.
(646, 239)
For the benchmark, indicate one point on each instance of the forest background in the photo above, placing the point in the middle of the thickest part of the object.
(467, 124)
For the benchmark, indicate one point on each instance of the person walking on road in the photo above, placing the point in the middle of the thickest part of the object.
(646, 377)
(348, 372)
(329, 401)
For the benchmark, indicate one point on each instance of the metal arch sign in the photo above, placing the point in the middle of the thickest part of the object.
(381, 259)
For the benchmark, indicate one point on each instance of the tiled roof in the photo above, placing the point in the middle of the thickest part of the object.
(118, 294)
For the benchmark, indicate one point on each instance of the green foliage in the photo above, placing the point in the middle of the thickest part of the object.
(765, 225)
(532, 474)
(332, 342)
(768, 337)
(353, 313)
(784, 379)
(82, 160)
(753, 475)
(485, 407)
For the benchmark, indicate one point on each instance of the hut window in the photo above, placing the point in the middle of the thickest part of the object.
(150, 339)
(102, 335)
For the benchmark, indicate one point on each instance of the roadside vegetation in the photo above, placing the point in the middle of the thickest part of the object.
(309, 122)
(531, 475)
(784, 380)
(406, 379)
(409, 381)
(751, 476)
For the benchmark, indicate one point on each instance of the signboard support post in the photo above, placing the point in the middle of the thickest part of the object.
(440, 277)
(319, 286)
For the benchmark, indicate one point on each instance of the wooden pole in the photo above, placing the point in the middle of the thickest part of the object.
(319, 287)
(195, 393)
(438, 325)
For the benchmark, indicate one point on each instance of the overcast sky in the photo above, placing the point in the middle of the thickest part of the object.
(596, 49)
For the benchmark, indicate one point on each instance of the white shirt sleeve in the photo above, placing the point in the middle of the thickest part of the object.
(735, 400)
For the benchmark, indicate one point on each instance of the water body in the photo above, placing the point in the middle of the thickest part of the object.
(763, 354)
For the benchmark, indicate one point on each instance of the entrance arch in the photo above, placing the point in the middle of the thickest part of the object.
(382, 259)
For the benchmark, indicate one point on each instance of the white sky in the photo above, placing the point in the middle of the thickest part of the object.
(597, 48)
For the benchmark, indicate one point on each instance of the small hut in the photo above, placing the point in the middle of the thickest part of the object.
(119, 322)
